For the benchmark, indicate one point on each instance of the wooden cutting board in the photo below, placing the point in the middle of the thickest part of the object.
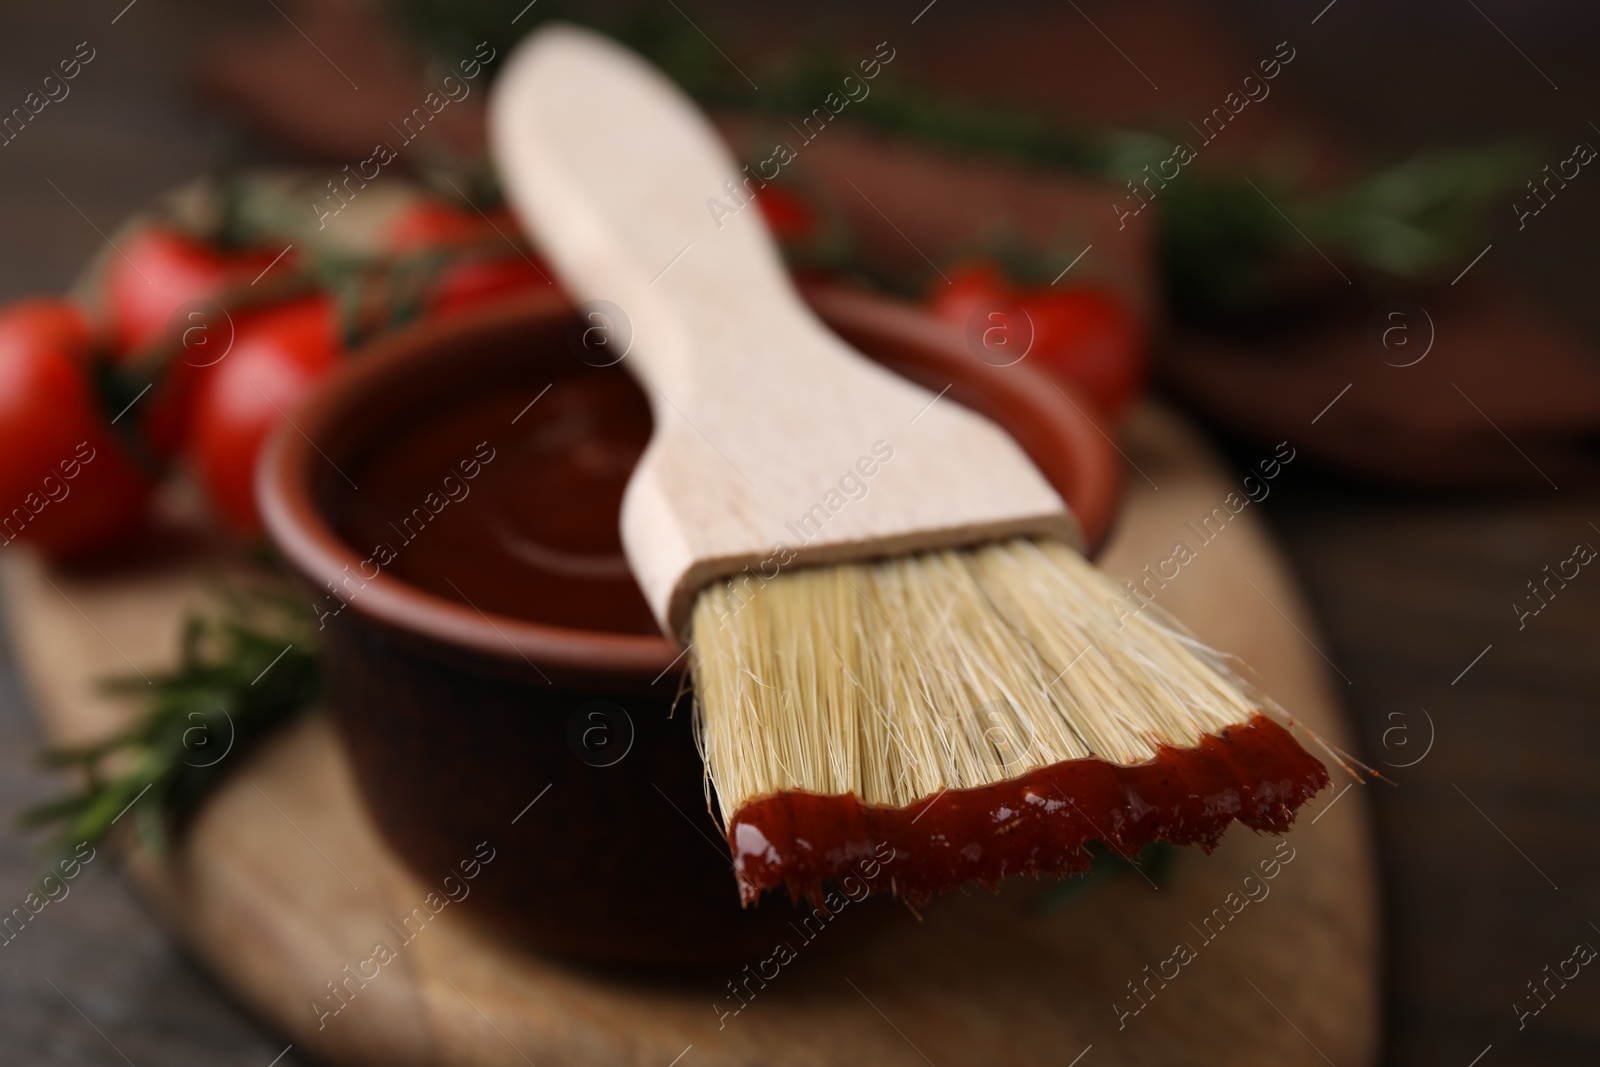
(282, 882)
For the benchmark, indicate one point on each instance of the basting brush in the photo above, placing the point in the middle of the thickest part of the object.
(922, 659)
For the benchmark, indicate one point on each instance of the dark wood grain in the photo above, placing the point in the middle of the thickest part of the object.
(1489, 842)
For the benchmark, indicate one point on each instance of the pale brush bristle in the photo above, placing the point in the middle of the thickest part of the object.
(895, 679)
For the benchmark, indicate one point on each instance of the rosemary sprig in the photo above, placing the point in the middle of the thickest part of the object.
(242, 672)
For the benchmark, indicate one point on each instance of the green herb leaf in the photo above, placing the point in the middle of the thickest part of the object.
(241, 674)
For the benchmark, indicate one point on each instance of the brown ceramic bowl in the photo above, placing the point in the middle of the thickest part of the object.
(456, 719)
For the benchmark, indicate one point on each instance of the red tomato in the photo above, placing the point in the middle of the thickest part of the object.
(970, 287)
(471, 282)
(162, 269)
(792, 219)
(1089, 338)
(278, 355)
(481, 275)
(1084, 336)
(66, 483)
(430, 223)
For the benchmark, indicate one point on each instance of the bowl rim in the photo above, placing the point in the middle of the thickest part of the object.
(306, 539)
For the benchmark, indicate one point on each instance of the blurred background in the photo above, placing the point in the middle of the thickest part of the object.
(1397, 178)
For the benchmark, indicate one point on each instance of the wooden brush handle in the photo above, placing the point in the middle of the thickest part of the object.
(759, 410)
(638, 203)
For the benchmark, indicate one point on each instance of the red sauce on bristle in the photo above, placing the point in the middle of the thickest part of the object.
(1037, 823)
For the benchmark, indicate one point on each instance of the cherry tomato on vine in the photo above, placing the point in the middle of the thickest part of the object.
(161, 269)
(431, 223)
(162, 273)
(1085, 336)
(970, 286)
(472, 282)
(484, 266)
(67, 484)
(278, 356)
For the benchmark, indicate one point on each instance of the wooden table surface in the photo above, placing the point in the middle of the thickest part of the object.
(1491, 869)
